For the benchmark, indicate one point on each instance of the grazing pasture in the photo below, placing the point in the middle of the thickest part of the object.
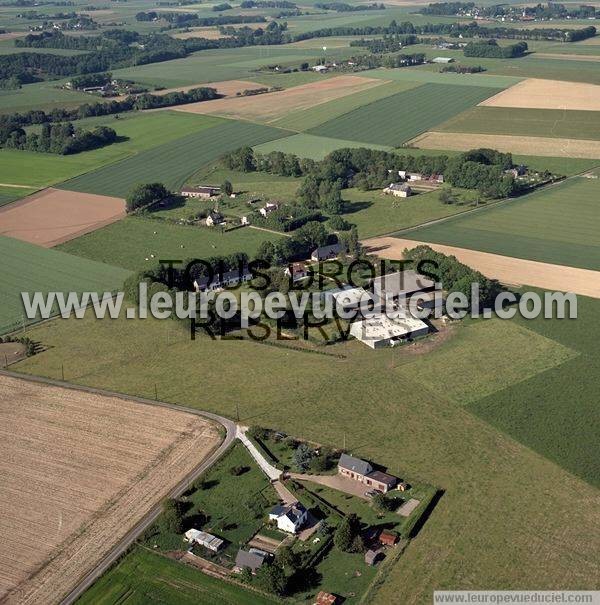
(557, 123)
(270, 107)
(29, 268)
(559, 224)
(53, 216)
(171, 163)
(548, 94)
(71, 491)
(128, 243)
(396, 119)
(519, 145)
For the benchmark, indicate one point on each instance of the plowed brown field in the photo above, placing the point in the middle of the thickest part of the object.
(78, 471)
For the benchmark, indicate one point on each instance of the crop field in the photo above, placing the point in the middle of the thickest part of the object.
(171, 163)
(560, 225)
(10, 194)
(70, 493)
(267, 109)
(144, 576)
(314, 116)
(426, 75)
(478, 455)
(396, 119)
(137, 243)
(526, 122)
(53, 216)
(29, 268)
(548, 94)
(570, 149)
(311, 146)
(139, 132)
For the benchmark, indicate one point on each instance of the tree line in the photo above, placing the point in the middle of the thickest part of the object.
(491, 49)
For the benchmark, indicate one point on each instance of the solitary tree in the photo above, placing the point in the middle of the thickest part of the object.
(226, 188)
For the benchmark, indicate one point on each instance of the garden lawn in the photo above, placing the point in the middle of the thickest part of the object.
(559, 224)
(173, 162)
(399, 118)
(29, 268)
(129, 242)
(143, 576)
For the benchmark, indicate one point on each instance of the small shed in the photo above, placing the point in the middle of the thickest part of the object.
(372, 557)
(327, 598)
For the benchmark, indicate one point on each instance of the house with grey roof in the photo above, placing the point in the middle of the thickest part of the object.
(396, 287)
(327, 252)
(398, 190)
(249, 560)
(289, 518)
(361, 471)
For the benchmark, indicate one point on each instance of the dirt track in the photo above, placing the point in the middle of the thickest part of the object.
(508, 270)
(269, 107)
(541, 146)
(79, 471)
(53, 216)
(548, 94)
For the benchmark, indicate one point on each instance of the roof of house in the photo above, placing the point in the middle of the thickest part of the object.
(348, 296)
(382, 477)
(350, 463)
(382, 327)
(214, 215)
(200, 189)
(371, 556)
(251, 560)
(326, 598)
(295, 512)
(203, 538)
(402, 283)
(398, 187)
(388, 537)
(235, 275)
(278, 510)
(324, 251)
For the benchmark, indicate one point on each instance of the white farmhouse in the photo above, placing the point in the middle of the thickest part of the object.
(290, 518)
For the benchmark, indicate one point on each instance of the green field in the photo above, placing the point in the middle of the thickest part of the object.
(311, 146)
(526, 122)
(560, 224)
(397, 119)
(172, 163)
(323, 112)
(144, 577)
(10, 194)
(29, 268)
(127, 243)
(139, 132)
(41, 95)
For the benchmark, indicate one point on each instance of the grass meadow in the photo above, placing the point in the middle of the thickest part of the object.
(129, 242)
(173, 162)
(499, 485)
(143, 577)
(559, 224)
(40, 95)
(29, 268)
(526, 122)
(397, 119)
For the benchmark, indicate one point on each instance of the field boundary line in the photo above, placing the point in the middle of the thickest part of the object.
(125, 543)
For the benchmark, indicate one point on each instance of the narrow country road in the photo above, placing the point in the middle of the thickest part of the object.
(270, 471)
(121, 547)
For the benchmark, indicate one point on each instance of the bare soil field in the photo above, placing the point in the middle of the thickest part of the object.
(508, 270)
(227, 88)
(548, 94)
(53, 216)
(540, 146)
(78, 471)
(268, 108)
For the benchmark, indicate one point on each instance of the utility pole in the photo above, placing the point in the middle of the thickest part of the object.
(237, 411)
(62, 371)
(155, 392)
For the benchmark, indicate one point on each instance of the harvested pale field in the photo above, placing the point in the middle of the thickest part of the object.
(540, 146)
(210, 33)
(79, 470)
(12, 35)
(506, 269)
(53, 216)
(227, 88)
(548, 94)
(272, 106)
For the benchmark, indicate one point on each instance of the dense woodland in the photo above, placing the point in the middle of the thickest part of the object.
(491, 49)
